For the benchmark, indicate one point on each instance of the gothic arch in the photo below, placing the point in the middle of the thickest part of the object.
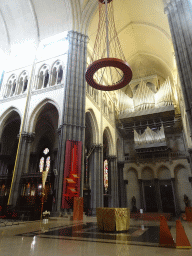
(94, 125)
(163, 172)
(57, 72)
(43, 80)
(149, 173)
(107, 131)
(37, 110)
(181, 165)
(6, 115)
(133, 169)
(132, 187)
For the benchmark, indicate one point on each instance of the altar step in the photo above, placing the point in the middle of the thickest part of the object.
(151, 216)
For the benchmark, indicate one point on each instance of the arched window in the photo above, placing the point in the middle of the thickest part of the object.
(10, 87)
(57, 73)
(45, 160)
(105, 107)
(106, 176)
(60, 75)
(43, 78)
(23, 82)
(46, 80)
(110, 108)
(95, 95)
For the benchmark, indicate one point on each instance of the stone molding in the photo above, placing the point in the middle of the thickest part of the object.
(28, 137)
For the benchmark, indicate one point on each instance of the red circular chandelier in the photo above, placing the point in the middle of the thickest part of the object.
(108, 70)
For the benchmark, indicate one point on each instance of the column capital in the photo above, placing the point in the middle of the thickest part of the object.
(170, 5)
(27, 136)
(111, 157)
(121, 163)
(97, 146)
(59, 130)
(74, 35)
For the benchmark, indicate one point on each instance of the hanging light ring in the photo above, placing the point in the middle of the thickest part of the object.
(109, 62)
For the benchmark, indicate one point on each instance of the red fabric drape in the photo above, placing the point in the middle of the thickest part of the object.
(72, 173)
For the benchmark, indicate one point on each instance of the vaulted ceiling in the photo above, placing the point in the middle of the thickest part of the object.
(142, 28)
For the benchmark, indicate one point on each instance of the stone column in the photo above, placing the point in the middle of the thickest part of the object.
(121, 188)
(141, 193)
(190, 180)
(113, 181)
(158, 195)
(21, 164)
(73, 120)
(96, 178)
(29, 137)
(175, 197)
(180, 22)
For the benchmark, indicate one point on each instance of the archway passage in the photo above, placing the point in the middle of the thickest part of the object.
(183, 186)
(133, 190)
(9, 143)
(166, 190)
(89, 159)
(42, 158)
(149, 191)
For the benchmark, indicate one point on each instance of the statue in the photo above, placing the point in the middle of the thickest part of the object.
(134, 208)
(186, 200)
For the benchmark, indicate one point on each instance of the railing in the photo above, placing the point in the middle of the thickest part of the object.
(154, 156)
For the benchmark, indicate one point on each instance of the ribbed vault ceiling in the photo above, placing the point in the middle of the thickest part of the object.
(142, 27)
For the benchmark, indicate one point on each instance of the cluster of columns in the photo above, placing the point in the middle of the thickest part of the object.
(73, 119)
(22, 163)
(179, 13)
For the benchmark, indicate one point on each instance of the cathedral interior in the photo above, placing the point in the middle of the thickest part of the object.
(136, 141)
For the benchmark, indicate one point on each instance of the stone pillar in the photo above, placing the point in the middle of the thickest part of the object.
(29, 137)
(158, 195)
(121, 185)
(179, 14)
(97, 178)
(21, 165)
(113, 181)
(73, 120)
(175, 197)
(190, 158)
(141, 193)
(190, 180)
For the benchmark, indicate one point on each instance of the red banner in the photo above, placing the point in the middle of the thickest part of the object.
(72, 173)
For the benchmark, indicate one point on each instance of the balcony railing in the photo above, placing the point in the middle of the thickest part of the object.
(154, 156)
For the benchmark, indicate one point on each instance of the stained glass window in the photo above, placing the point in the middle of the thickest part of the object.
(44, 163)
(41, 164)
(46, 151)
(106, 175)
(47, 163)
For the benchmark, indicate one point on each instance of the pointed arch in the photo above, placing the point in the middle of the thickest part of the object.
(147, 173)
(163, 172)
(94, 125)
(37, 110)
(4, 117)
(110, 140)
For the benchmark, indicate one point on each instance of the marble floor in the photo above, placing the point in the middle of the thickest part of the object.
(61, 236)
